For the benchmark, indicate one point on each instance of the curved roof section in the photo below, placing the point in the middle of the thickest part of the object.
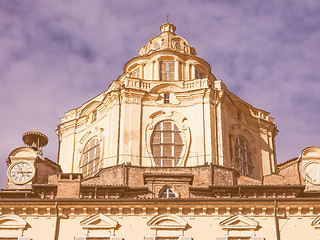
(167, 40)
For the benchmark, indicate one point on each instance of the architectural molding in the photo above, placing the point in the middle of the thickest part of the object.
(167, 221)
(12, 225)
(182, 123)
(99, 224)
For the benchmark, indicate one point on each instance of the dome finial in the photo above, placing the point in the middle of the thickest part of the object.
(167, 27)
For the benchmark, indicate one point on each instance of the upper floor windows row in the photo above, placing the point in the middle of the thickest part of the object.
(168, 72)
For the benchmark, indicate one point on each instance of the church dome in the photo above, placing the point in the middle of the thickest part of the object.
(167, 40)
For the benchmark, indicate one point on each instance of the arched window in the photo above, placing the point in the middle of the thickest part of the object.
(91, 157)
(167, 193)
(243, 162)
(166, 144)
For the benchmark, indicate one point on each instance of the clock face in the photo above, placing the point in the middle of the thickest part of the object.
(312, 172)
(21, 172)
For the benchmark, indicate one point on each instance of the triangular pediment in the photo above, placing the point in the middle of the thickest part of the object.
(10, 221)
(239, 222)
(167, 221)
(99, 221)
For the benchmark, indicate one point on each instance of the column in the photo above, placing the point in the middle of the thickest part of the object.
(176, 70)
(193, 72)
(157, 70)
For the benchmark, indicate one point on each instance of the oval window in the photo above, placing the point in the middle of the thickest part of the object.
(166, 144)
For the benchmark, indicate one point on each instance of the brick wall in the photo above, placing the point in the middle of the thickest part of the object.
(291, 173)
(273, 179)
(68, 185)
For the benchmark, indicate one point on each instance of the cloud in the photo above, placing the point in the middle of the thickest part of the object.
(55, 55)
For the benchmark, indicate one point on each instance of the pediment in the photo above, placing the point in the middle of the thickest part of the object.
(239, 222)
(11, 221)
(89, 108)
(167, 221)
(23, 153)
(310, 153)
(316, 222)
(99, 221)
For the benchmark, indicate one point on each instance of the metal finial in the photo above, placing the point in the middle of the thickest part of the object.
(168, 17)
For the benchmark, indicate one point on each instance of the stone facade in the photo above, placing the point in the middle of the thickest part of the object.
(166, 152)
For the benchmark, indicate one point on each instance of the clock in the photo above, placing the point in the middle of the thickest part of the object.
(21, 172)
(312, 172)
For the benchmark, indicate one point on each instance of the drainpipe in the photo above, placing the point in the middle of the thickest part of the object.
(276, 220)
(57, 228)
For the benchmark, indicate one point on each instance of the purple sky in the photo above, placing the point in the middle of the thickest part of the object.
(55, 55)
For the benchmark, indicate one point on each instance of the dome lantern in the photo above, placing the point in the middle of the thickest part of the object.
(35, 140)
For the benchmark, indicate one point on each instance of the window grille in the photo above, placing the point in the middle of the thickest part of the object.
(90, 157)
(167, 193)
(166, 144)
(243, 162)
(167, 71)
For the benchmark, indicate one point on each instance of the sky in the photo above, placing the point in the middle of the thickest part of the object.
(56, 55)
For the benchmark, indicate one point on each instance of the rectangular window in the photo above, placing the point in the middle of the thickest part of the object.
(166, 97)
(167, 71)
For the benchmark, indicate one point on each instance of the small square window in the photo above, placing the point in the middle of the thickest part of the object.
(166, 98)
